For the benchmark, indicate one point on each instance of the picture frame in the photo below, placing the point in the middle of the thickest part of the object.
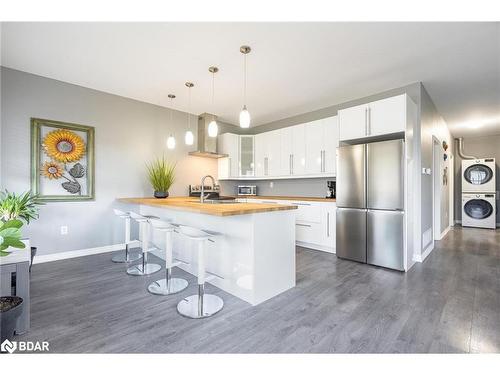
(62, 161)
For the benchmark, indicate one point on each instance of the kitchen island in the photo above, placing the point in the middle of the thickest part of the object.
(253, 253)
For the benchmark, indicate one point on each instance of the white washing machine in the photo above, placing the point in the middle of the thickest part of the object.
(479, 210)
(478, 175)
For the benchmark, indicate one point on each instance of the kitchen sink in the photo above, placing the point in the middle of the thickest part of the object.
(220, 200)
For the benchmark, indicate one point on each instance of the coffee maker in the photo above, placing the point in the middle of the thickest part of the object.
(332, 187)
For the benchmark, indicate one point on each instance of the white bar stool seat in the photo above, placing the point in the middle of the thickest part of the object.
(125, 256)
(199, 305)
(144, 268)
(168, 285)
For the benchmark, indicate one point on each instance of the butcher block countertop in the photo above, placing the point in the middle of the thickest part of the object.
(217, 209)
(288, 198)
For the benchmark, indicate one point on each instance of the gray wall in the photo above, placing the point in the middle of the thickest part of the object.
(128, 134)
(480, 147)
(311, 187)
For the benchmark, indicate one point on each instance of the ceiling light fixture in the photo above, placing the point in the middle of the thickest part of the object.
(189, 137)
(244, 114)
(213, 128)
(171, 139)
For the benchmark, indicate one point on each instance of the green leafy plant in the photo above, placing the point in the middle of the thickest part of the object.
(10, 235)
(23, 206)
(161, 174)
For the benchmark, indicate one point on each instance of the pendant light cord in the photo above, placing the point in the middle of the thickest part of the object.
(245, 80)
(189, 108)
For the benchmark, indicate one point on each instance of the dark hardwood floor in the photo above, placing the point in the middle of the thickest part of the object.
(449, 303)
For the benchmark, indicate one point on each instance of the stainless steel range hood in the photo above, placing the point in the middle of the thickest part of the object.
(207, 146)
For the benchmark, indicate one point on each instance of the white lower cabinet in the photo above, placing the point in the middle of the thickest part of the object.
(314, 222)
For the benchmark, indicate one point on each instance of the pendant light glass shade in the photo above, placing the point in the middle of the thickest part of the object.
(213, 129)
(189, 138)
(244, 117)
(171, 142)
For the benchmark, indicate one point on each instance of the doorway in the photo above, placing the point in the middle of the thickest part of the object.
(436, 188)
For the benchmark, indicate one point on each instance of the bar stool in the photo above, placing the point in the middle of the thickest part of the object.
(125, 257)
(145, 268)
(168, 285)
(199, 305)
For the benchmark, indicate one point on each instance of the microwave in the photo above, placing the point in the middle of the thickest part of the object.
(247, 190)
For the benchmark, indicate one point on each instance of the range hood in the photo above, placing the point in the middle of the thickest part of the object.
(207, 146)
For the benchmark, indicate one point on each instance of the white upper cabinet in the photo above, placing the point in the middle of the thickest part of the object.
(352, 122)
(260, 155)
(273, 153)
(314, 147)
(246, 162)
(387, 116)
(298, 150)
(321, 143)
(228, 143)
(286, 149)
(331, 142)
(381, 117)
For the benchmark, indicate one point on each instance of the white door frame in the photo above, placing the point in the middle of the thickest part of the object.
(436, 189)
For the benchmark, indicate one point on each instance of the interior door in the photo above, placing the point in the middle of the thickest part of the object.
(351, 176)
(387, 116)
(385, 175)
(384, 239)
(351, 234)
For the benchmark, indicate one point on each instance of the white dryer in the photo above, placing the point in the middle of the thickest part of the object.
(478, 175)
(479, 210)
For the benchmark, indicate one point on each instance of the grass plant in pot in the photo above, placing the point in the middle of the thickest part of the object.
(161, 175)
(11, 307)
(19, 207)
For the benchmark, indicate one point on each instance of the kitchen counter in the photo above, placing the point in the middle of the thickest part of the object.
(288, 198)
(192, 204)
(253, 253)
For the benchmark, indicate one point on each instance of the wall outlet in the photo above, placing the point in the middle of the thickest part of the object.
(64, 230)
(271, 184)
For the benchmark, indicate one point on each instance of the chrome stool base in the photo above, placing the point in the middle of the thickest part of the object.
(149, 269)
(160, 287)
(122, 257)
(189, 306)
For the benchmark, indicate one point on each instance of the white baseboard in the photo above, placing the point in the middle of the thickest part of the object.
(421, 257)
(444, 233)
(81, 253)
(315, 247)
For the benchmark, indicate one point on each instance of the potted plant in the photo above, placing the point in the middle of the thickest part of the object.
(10, 306)
(19, 207)
(161, 175)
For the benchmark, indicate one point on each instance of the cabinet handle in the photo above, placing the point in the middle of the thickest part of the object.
(265, 166)
(369, 121)
(303, 225)
(229, 167)
(366, 121)
(292, 163)
(323, 161)
(328, 224)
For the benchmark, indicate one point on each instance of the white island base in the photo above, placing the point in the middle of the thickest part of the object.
(254, 254)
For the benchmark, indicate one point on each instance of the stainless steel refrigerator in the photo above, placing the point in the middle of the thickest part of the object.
(370, 203)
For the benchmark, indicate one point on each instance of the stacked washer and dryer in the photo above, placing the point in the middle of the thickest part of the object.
(479, 193)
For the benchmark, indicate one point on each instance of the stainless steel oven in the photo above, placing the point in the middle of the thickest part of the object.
(247, 190)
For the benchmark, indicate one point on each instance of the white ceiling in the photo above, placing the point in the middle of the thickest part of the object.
(293, 68)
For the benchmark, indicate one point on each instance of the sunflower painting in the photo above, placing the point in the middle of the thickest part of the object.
(62, 160)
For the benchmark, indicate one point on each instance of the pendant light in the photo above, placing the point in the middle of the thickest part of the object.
(189, 137)
(171, 139)
(213, 128)
(244, 114)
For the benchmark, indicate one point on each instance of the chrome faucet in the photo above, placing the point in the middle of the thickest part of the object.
(202, 195)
